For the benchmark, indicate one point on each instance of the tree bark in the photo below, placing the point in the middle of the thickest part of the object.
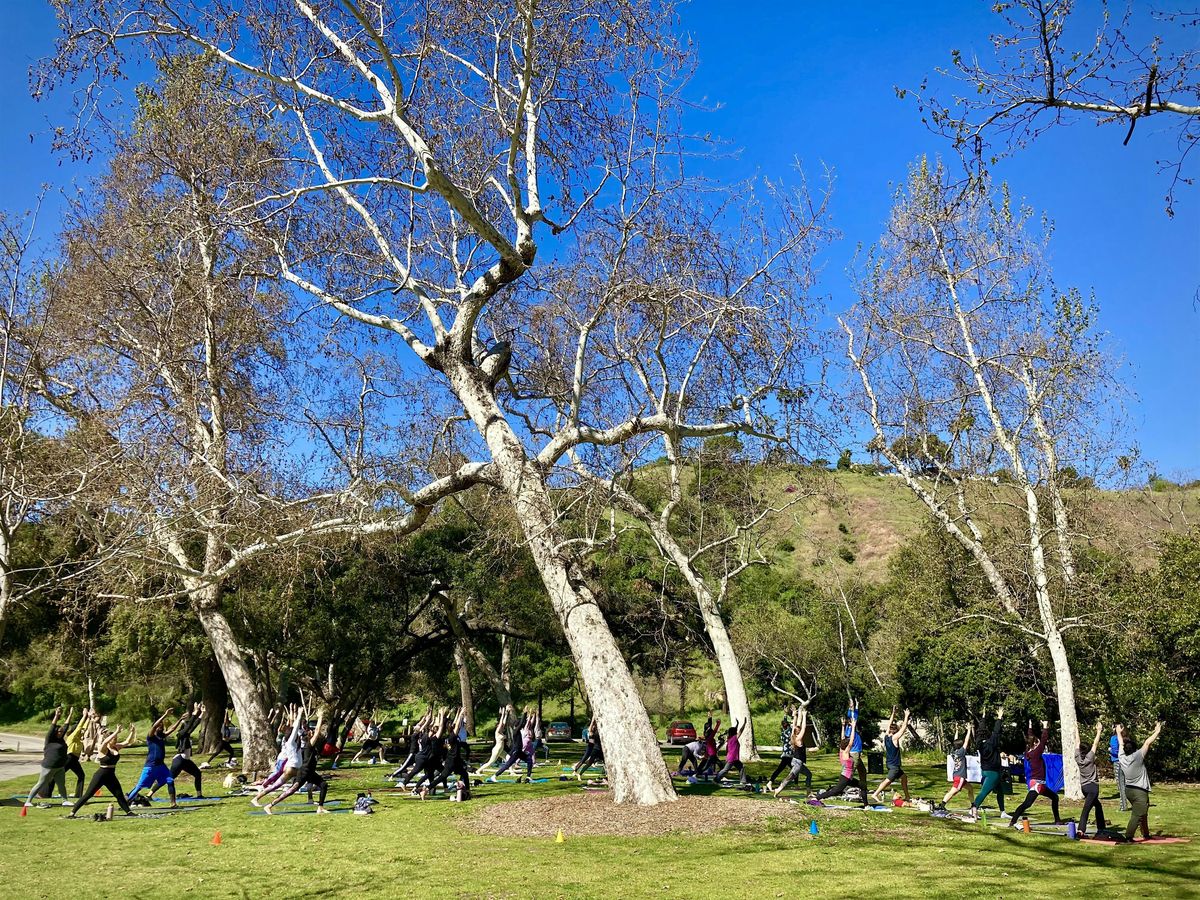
(258, 747)
(637, 772)
(5, 591)
(464, 686)
(215, 697)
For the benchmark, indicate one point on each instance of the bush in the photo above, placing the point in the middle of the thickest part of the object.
(842, 528)
(785, 546)
(846, 553)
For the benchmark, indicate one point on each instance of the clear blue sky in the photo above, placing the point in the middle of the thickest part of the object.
(815, 82)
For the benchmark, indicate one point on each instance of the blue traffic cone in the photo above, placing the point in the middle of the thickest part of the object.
(812, 828)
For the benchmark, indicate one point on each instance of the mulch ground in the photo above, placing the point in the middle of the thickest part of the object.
(596, 814)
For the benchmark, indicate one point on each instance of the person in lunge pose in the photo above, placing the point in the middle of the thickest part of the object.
(1037, 775)
(306, 773)
(733, 753)
(105, 776)
(523, 749)
(182, 761)
(991, 767)
(371, 744)
(798, 752)
(846, 758)
(893, 738)
(594, 752)
(1114, 756)
(785, 748)
(292, 754)
(709, 764)
(155, 772)
(498, 745)
(1137, 781)
(959, 778)
(225, 746)
(54, 762)
(1089, 782)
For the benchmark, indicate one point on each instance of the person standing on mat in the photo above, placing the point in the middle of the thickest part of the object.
(182, 761)
(1114, 756)
(785, 748)
(74, 740)
(498, 744)
(692, 752)
(958, 780)
(54, 763)
(523, 748)
(225, 746)
(892, 741)
(1037, 775)
(305, 773)
(846, 758)
(1137, 780)
(733, 754)
(293, 758)
(709, 764)
(798, 753)
(594, 752)
(155, 772)
(856, 745)
(456, 762)
(109, 749)
(371, 744)
(1089, 780)
(991, 767)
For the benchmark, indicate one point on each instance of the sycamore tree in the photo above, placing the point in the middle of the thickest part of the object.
(1055, 62)
(959, 333)
(430, 151)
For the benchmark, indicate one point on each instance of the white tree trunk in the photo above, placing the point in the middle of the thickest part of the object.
(5, 595)
(258, 745)
(637, 772)
(464, 686)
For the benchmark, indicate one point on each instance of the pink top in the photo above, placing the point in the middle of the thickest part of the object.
(847, 766)
(733, 749)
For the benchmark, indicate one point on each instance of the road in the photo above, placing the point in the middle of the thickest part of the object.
(22, 762)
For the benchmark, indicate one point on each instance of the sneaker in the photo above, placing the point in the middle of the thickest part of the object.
(68, 803)
(1005, 816)
(204, 765)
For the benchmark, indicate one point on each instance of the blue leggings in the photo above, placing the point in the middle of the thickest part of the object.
(152, 777)
(988, 783)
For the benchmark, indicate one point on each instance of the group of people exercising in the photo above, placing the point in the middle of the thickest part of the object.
(1127, 756)
(438, 748)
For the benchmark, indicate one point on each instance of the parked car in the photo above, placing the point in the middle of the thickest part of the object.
(681, 732)
(558, 731)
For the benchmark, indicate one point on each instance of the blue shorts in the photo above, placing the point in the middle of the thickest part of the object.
(152, 777)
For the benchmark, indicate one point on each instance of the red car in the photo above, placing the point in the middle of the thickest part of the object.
(681, 733)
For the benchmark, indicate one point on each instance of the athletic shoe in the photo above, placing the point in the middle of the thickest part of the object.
(68, 803)
(204, 765)
(491, 780)
(1005, 815)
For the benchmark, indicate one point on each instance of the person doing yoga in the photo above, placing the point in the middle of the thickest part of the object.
(593, 754)
(105, 776)
(54, 762)
(224, 746)
(733, 753)
(1037, 775)
(1089, 782)
(893, 738)
(498, 745)
(846, 758)
(182, 761)
(959, 778)
(991, 766)
(305, 773)
(155, 772)
(1137, 781)
(797, 752)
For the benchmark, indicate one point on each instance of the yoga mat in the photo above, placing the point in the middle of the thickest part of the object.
(1154, 840)
(294, 812)
(885, 809)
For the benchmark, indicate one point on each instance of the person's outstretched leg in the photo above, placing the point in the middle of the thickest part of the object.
(1029, 800)
(1091, 793)
(94, 785)
(1053, 797)
(76, 769)
(45, 779)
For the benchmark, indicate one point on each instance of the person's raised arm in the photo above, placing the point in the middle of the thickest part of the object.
(998, 724)
(853, 729)
(967, 738)
(903, 729)
(1043, 738)
(159, 721)
(1096, 742)
(1153, 737)
(887, 729)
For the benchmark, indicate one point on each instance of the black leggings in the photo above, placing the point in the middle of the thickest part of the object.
(183, 764)
(516, 756)
(688, 757)
(1091, 800)
(1029, 800)
(310, 776)
(840, 785)
(74, 767)
(593, 755)
(785, 762)
(456, 765)
(223, 747)
(104, 777)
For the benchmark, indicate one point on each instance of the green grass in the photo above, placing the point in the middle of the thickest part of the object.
(419, 849)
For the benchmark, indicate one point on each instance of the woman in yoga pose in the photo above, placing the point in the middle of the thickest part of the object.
(1137, 781)
(498, 745)
(105, 776)
(797, 752)
(305, 773)
(54, 762)
(594, 752)
(1037, 775)
(846, 758)
(155, 773)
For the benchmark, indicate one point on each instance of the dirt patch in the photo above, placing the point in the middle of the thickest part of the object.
(596, 814)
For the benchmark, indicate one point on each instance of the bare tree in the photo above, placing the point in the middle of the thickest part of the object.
(959, 334)
(1054, 63)
(434, 144)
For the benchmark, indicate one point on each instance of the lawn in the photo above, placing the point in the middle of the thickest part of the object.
(424, 849)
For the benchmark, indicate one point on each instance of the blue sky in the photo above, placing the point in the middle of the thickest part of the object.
(815, 82)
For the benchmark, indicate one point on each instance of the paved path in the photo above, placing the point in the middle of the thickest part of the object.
(20, 763)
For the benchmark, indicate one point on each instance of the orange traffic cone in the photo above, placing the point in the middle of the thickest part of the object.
(24, 810)
(216, 841)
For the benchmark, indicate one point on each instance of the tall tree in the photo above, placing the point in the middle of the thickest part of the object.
(435, 144)
(960, 333)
